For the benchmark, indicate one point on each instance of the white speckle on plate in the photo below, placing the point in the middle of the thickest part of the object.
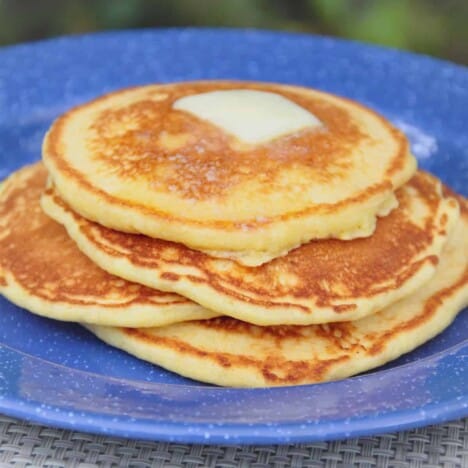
(423, 145)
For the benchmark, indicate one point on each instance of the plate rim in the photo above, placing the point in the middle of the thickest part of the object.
(231, 433)
(233, 30)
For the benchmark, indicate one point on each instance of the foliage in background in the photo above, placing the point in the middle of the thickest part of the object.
(429, 26)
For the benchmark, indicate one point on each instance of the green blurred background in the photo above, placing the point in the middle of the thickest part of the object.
(438, 28)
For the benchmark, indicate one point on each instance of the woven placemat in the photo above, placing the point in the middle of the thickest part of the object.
(25, 444)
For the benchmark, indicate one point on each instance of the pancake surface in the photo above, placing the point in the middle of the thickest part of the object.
(133, 161)
(321, 281)
(225, 351)
(42, 270)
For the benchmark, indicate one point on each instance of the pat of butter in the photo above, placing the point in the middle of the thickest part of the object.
(252, 116)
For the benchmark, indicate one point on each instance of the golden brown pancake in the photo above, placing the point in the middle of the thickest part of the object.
(134, 161)
(228, 352)
(321, 281)
(42, 270)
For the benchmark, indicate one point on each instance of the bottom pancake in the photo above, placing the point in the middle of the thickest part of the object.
(228, 352)
(42, 269)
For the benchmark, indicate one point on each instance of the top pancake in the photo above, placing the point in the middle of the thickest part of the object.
(131, 161)
(322, 281)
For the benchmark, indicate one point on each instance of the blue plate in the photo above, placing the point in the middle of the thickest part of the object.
(58, 374)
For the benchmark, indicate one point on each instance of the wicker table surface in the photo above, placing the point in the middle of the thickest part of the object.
(27, 444)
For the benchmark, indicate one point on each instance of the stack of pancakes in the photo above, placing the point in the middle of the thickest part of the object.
(243, 234)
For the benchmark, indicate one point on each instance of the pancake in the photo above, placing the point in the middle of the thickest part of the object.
(229, 352)
(42, 270)
(142, 160)
(321, 281)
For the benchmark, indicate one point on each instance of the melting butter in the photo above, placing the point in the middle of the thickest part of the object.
(253, 117)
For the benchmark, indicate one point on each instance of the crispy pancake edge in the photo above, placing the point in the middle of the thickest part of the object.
(133, 310)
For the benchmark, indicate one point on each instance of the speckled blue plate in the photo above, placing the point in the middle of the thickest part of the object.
(58, 374)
